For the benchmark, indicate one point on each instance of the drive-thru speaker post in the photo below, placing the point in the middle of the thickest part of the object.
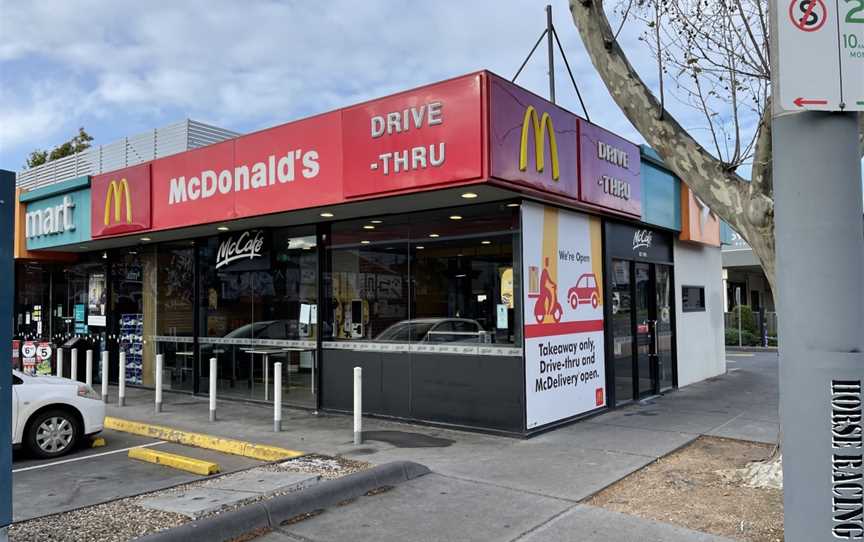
(820, 264)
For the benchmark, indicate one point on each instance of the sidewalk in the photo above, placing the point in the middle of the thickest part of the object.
(522, 486)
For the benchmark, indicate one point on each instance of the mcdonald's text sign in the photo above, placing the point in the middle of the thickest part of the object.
(120, 201)
(531, 141)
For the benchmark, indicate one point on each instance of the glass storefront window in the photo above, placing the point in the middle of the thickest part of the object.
(258, 306)
(168, 306)
(446, 276)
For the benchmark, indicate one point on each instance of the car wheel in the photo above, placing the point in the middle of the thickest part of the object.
(595, 300)
(52, 434)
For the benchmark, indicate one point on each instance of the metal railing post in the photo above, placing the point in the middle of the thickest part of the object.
(60, 362)
(358, 405)
(73, 365)
(160, 360)
(277, 396)
(121, 380)
(212, 382)
(104, 376)
(88, 368)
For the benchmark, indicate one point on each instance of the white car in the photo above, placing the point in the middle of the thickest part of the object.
(51, 415)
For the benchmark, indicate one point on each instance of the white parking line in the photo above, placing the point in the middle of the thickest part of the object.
(82, 458)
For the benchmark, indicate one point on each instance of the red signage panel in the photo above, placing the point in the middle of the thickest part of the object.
(120, 201)
(288, 167)
(427, 136)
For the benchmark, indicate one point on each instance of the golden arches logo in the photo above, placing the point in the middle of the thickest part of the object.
(117, 191)
(541, 125)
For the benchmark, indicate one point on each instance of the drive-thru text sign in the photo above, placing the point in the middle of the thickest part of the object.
(820, 54)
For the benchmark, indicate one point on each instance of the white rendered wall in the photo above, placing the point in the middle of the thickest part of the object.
(700, 335)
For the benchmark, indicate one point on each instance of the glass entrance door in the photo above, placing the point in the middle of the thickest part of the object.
(646, 319)
(622, 330)
(641, 329)
(664, 335)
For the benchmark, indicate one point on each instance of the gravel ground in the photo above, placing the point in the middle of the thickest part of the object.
(125, 519)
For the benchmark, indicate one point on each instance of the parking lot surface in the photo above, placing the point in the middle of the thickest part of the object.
(90, 476)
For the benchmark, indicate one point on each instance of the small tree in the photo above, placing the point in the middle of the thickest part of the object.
(78, 143)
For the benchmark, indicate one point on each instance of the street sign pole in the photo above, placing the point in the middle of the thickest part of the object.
(819, 236)
(817, 65)
(7, 269)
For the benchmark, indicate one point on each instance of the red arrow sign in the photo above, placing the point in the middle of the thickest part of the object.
(801, 102)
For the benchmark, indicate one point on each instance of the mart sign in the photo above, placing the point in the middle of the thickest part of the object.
(820, 54)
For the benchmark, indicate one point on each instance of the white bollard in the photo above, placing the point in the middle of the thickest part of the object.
(59, 362)
(73, 365)
(358, 405)
(160, 360)
(121, 381)
(277, 396)
(213, 377)
(105, 376)
(88, 369)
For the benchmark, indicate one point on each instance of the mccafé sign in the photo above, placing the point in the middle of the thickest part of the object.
(120, 201)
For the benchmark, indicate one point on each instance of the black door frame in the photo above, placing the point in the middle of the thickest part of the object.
(610, 254)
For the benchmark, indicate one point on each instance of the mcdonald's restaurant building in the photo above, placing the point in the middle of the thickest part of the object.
(491, 261)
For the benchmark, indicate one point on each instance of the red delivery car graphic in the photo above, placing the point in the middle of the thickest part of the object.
(585, 291)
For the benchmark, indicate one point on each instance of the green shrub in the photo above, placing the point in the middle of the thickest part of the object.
(747, 338)
(748, 320)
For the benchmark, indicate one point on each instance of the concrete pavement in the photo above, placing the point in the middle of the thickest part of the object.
(91, 476)
(512, 488)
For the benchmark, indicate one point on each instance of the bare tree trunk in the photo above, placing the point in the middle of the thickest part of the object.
(747, 206)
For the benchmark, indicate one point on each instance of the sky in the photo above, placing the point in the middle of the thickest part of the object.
(119, 68)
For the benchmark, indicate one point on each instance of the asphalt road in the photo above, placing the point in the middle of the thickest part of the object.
(91, 476)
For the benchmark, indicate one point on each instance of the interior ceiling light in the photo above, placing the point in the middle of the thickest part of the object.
(434, 235)
(364, 242)
(455, 217)
(145, 239)
(461, 276)
(326, 215)
(420, 247)
(222, 228)
(376, 221)
(512, 205)
(368, 227)
(485, 242)
(469, 195)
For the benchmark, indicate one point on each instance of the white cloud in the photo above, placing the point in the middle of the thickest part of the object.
(258, 63)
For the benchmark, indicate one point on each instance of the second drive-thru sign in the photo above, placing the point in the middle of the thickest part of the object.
(820, 54)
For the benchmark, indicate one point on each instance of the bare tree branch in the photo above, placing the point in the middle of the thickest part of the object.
(722, 189)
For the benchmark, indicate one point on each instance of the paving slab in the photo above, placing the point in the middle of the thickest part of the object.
(264, 481)
(631, 440)
(218, 494)
(583, 523)
(431, 509)
(745, 429)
